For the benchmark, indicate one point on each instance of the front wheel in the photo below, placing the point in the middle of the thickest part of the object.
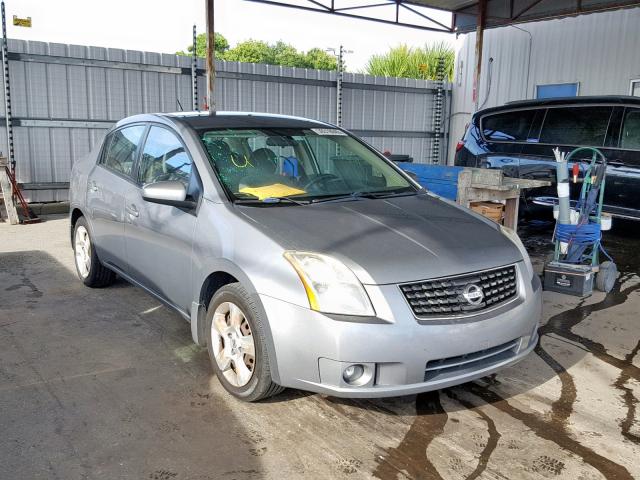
(236, 345)
(90, 270)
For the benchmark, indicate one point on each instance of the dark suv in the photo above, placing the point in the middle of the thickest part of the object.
(519, 138)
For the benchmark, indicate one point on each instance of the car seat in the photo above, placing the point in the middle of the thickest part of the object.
(265, 160)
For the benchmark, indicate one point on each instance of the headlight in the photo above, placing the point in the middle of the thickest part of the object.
(331, 287)
(513, 236)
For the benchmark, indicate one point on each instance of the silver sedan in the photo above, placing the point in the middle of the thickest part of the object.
(301, 256)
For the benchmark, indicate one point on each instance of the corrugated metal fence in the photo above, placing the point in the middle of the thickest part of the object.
(65, 97)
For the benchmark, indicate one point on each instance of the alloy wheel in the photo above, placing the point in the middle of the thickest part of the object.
(233, 345)
(82, 243)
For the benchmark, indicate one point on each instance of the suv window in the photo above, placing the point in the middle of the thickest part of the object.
(120, 154)
(576, 126)
(631, 131)
(164, 158)
(508, 126)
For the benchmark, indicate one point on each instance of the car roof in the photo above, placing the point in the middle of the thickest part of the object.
(204, 121)
(544, 102)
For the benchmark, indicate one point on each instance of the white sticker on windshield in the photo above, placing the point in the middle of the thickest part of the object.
(328, 131)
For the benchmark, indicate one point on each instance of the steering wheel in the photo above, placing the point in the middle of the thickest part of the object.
(323, 177)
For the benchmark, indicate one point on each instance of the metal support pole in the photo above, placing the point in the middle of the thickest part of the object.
(482, 11)
(194, 73)
(211, 66)
(7, 94)
(437, 112)
(339, 86)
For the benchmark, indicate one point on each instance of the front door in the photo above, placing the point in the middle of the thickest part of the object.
(159, 237)
(107, 186)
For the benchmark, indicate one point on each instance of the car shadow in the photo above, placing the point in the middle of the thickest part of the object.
(97, 381)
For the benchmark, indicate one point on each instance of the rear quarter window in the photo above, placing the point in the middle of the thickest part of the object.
(508, 126)
(630, 139)
(581, 126)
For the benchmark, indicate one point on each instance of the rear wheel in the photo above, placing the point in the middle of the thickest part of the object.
(90, 270)
(236, 345)
(606, 276)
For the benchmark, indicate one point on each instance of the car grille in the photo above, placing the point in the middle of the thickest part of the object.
(446, 296)
(463, 364)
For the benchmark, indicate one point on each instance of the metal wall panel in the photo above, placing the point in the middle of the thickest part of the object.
(599, 51)
(65, 97)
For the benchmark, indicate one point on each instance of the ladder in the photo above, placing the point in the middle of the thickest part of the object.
(10, 192)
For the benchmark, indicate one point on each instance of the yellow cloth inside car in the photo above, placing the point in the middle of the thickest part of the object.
(276, 190)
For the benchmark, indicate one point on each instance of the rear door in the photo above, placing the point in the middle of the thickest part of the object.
(623, 174)
(107, 185)
(565, 127)
(159, 238)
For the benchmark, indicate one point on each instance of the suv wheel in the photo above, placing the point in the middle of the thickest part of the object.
(88, 266)
(236, 345)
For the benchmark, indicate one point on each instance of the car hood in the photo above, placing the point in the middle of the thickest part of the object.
(393, 240)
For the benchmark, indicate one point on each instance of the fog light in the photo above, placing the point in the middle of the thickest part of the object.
(352, 373)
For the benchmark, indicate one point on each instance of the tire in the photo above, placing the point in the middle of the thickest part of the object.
(92, 273)
(606, 276)
(229, 336)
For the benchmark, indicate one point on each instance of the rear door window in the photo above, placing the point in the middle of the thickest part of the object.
(122, 149)
(576, 126)
(509, 126)
(630, 139)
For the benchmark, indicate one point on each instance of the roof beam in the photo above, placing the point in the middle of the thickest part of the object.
(427, 17)
(346, 11)
(499, 13)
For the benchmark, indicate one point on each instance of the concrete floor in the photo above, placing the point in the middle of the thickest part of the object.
(107, 384)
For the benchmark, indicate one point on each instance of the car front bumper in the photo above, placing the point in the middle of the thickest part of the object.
(400, 355)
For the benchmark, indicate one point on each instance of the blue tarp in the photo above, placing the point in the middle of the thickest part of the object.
(439, 179)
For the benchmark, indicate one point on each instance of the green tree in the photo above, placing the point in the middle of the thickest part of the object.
(253, 51)
(220, 45)
(280, 53)
(286, 55)
(321, 60)
(256, 51)
(422, 63)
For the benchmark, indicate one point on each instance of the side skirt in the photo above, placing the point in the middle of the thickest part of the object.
(154, 294)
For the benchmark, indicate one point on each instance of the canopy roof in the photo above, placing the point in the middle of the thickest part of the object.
(416, 13)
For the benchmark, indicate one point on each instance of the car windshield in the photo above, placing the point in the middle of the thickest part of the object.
(299, 165)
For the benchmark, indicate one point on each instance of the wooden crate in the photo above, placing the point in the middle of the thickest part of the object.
(491, 210)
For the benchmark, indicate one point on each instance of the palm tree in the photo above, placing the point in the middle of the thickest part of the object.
(407, 62)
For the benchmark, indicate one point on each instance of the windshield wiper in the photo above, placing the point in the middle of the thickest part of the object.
(360, 195)
(270, 201)
(339, 197)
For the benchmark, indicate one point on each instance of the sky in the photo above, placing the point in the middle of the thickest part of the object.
(166, 26)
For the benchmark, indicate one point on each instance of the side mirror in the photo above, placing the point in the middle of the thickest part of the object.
(171, 192)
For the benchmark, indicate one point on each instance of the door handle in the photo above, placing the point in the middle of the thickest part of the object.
(133, 210)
